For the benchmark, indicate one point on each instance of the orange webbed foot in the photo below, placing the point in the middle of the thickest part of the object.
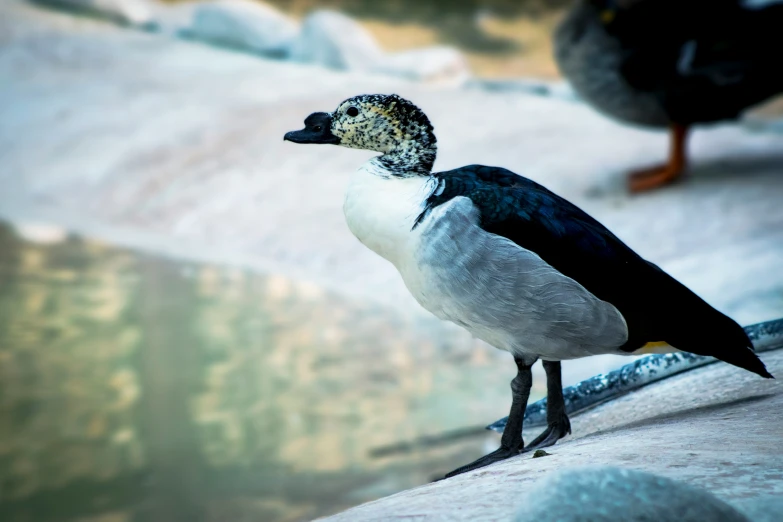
(653, 178)
(660, 176)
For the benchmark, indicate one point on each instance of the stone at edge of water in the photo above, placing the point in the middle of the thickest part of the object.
(134, 13)
(764, 509)
(336, 41)
(327, 38)
(607, 494)
(244, 25)
(438, 64)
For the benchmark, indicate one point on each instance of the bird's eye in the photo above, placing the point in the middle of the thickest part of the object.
(317, 128)
(352, 111)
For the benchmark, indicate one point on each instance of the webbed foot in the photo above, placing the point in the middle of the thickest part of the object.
(496, 456)
(558, 425)
(670, 172)
(550, 435)
(511, 442)
(649, 179)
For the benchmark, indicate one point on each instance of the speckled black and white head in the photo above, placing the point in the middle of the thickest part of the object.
(383, 123)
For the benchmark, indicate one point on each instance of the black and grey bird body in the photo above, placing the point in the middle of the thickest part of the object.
(592, 60)
(508, 260)
(501, 293)
(672, 63)
(596, 294)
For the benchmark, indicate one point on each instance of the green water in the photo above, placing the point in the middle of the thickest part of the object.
(134, 388)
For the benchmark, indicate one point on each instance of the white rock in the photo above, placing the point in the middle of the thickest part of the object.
(245, 25)
(335, 40)
(606, 494)
(432, 64)
(759, 4)
(175, 19)
(763, 509)
(136, 13)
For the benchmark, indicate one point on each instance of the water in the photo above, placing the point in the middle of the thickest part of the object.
(134, 388)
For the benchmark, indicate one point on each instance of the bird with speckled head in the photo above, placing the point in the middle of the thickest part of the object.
(383, 123)
(511, 262)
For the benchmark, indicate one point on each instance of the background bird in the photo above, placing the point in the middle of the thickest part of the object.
(671, 64)
(516, 265)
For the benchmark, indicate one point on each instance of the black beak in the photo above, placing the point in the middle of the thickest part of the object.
(318, 129)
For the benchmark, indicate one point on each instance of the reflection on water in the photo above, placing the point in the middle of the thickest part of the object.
(135, 388)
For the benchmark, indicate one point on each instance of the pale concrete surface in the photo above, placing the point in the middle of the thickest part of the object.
(177, 147)
(717, 428)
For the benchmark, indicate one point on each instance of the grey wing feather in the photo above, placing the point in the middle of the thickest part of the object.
(509, 296)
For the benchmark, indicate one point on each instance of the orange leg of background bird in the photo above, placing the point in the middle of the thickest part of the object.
(648, 179)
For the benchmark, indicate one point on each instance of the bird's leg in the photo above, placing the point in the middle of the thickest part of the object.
(511, 442)
(558, 425)
(648, 179)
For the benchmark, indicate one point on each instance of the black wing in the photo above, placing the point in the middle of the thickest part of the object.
(559, 232)
(655, 306)
(706, 60)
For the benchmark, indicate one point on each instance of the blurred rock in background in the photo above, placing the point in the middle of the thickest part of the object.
(244, 25)
(335, 40)
(134, 13)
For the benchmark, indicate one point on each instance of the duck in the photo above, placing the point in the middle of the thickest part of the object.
(671, 64)
(514, 264)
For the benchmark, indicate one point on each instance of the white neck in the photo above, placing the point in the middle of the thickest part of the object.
(381, 208)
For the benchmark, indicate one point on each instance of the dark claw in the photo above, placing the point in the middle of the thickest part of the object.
(550, 435)
(511, 442)
(496, 456)
(558, 425)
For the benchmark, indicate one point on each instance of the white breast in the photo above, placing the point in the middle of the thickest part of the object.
(497, 290)
(380, 210)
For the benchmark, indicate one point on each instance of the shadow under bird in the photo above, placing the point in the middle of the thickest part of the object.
(672, 64)
(514, 264)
